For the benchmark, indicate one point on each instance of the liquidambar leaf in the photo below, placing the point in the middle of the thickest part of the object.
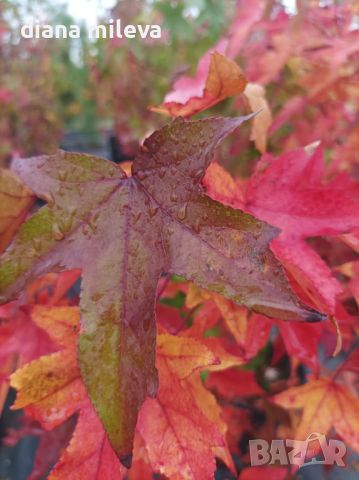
(324, 404)
(182, 428)
(124, 233)
(217, 78)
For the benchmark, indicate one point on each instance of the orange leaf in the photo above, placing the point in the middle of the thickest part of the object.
(182, 427)
(217, 78)
(180, 431)
(50, 387)
(324, 404)
(60, 323)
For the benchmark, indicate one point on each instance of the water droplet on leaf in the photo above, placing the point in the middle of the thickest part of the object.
(36, 242)
(153, 210)
(182, 212)
(173, 197)
(136, 216)
(62, 175)
(152, 386)
(197, 226)
(141, 175)
(57, 232)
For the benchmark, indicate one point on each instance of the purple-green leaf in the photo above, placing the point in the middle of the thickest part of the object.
(124, 233)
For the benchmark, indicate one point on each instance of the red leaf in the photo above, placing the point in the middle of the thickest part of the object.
(234, 383)
(290, 192)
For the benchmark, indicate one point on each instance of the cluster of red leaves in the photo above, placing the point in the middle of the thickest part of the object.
(242, 393)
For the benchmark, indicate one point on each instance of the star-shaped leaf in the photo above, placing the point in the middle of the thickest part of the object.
(324, 404)
(124, 233)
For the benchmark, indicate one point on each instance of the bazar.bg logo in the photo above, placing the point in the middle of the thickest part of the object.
(296, 452)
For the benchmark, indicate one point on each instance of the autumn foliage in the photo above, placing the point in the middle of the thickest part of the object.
(157, 315)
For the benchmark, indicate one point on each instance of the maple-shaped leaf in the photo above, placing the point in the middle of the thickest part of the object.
(291, 192)
(52, 379)
(124, 233)
(324, 404)
(51, 444)
(250, 334)
(182, 427)
(302, 342)
(50, 390)
(20, 339)
(15, 201)
(251, 331)
(217, 78)
(89, 455)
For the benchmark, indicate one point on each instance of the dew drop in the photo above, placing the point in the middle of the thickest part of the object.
(66, 224)
(176, 157)
(61, 191)
(136, 216)
(50, 200)
(57, 233)
(182, 212)
(173, 197)
(152, 386)
(85, 229)
(197, 226)
(36, 242)
(122, 174)
(62, 175)
(142, 175)
(153, 210)
(92, 222)
(144, 148)
(72, 210)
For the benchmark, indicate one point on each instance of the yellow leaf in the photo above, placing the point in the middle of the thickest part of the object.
(324, 404)
(256, 97)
